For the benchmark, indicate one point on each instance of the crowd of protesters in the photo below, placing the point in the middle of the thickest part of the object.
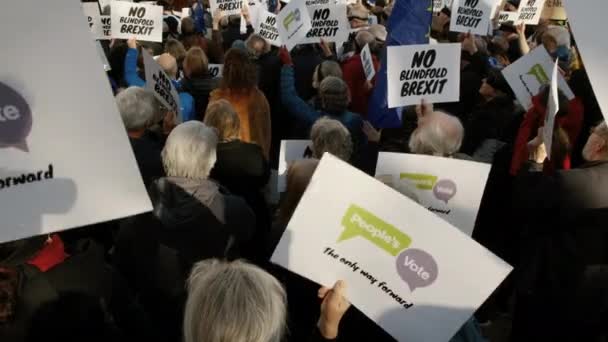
(197, 269)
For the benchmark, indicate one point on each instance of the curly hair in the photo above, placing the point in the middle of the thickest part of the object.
(240, 73)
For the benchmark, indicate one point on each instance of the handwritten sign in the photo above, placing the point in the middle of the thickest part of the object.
(293, 23)
(226, 7)
(506, 17)
(160, 84)
(329, 22)
(143, 22)
(215, 70)
(450, 188)
(291, 150)
(103, 28)
(529, 73)
(267, 28)
(48, 180)
(412, 273)
(530, 11)
(471, 16)
(430, 72)
(368, 63)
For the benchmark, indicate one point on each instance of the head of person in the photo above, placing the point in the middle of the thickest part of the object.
(188, 26)
(176, 49)
(190, 151)
(596, 148)
(240, 73)
(222, 116)
(364, 37)
(233, 301)
(334, 95)
(495, 85)
(323, 70)
(138, 108)
(380, 33)
(329, 135)
(439, 134)
(299, 174)
(257, 46)
(196, 63)
(169, 65)
(358, 16)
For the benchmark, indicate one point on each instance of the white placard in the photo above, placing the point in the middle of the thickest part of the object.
(412, 273)
(552, 109)
(53, 175)
(139, 21)
(368, 63)
(448, 187)
(293, 23)
(291, 150)
(471, 16)
(583, 22)
(255, 7)
(226, 7)
(186, 12)
(103, 28)
(91, 12)
(216, 70)
(529, 73)
(506, 17)
(530, 11)
(267, 28)
(158, 82)
(329, 22)
(430, 72)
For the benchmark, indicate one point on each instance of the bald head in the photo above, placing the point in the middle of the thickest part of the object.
(169, 65)
(439, 134)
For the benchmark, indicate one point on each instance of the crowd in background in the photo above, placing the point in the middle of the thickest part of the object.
(179, 272)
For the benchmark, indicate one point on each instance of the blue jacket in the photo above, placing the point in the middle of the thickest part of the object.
(133, 80)
(306, 114)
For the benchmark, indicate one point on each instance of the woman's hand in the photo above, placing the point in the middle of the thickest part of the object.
(333, 308)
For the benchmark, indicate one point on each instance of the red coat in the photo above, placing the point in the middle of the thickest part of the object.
(354, 76)
(533, 120)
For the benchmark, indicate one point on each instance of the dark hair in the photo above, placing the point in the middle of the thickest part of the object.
(240, 73)
(188, 26)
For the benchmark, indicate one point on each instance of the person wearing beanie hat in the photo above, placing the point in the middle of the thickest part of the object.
(379, 32)
(488, 126)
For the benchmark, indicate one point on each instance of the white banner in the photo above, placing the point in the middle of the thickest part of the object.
(430, 72)
(329, 22)
(103, 28)
(293, 23)
(529, 73)
(530, 11)
(226, 7)
(412, 273)
(291, 150)
(160, 84)
(66, 158)
(368, 63)
(450, 188)
(139, 21)
(267, 28)
(471, 16)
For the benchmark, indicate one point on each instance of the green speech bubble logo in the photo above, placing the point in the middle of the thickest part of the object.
(540, 74)
(422, 181)
(358, 221)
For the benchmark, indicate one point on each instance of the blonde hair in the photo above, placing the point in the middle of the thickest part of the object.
(221, 115)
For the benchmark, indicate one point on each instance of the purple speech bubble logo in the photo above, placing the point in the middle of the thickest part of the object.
(15, 119)
(417, 268)
(445, 190)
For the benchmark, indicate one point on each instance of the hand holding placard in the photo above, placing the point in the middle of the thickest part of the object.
(333, 308)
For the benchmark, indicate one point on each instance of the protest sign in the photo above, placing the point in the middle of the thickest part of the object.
(66, 158)
(103, 28)
(554, 10)
(215, 70)
(509, 18)
(471, 16)
(552, 109)
(255, 7)
(267, 28)
(529, 11)
(186, 12)
(226, 7)
(416, 72)
(408, 270)
(293, 23)
(329, 22)
(583, 22)
(368, 63)
(160, 84)
(529, 73)
(438, 5)
(142, 22)
(91, 12)
(291, 150)
(450, 188)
